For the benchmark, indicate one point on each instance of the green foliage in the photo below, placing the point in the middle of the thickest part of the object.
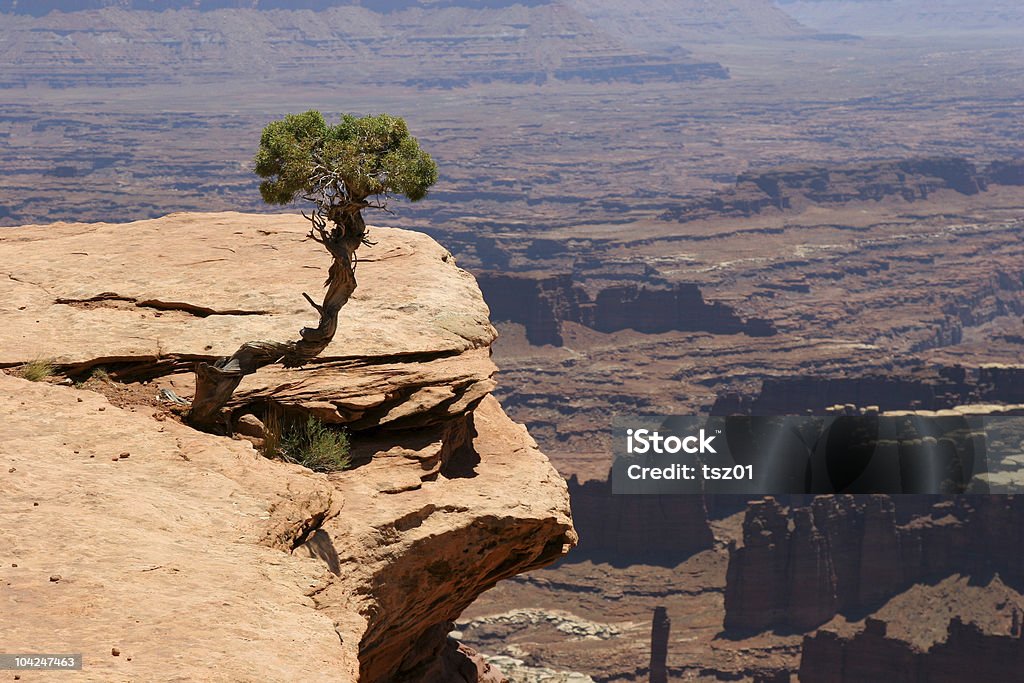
(310, 444)
(38, 370)
(369, 156)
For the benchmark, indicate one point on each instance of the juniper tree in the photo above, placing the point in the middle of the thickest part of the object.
(359, 163)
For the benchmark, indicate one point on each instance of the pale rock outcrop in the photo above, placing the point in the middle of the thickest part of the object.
(149, 298)
(162, 555)
(190, 554)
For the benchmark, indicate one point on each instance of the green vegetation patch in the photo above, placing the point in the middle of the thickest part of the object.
(38, 370)
(310, 443)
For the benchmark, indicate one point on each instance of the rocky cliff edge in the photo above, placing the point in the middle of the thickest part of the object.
(164, 553)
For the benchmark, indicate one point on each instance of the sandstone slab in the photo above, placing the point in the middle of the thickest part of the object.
(149, 298)
(200, 560)
(161, 555)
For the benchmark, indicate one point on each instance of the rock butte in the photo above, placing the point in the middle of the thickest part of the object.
(195, 557)
(843, 553)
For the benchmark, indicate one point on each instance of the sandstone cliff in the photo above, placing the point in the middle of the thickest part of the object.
(967, 654)
(846, 554)
(162, 553)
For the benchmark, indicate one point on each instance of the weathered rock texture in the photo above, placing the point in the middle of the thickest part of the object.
(967, 654)
(846, 554)
(165, 554)
(191, 553)
(408, 564)
(150, 298)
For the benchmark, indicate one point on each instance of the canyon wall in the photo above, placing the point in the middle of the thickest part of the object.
(797, 569)
(797, 187)
(42, 7)
(541, 303)
(626, 530)
(764, 195)
(967, 654)
(920, 387)
(402, 43)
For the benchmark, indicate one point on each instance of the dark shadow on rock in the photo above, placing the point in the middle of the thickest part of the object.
(461, 461)
(320, 545)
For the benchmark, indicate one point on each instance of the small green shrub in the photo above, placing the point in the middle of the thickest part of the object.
(100, 373)
(311, 444)
(38, 370)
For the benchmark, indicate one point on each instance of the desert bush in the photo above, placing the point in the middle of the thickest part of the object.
(310, 443)
(38, 370)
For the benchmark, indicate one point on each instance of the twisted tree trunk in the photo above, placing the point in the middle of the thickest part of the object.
(217, 381)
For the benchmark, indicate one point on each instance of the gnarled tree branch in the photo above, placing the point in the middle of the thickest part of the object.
(217, 381)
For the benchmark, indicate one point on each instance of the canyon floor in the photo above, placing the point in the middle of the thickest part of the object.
(873, 302)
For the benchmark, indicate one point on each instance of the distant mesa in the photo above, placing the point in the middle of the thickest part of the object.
(908, 17)
(42, 7)
(542, 303)
(794, 188)
(436, 44)
(661, 24)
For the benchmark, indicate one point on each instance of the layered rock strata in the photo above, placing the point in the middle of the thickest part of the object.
(542, 304)
(797, 569)
(451, 44)
(967, 654)
(148, 299)
(186, 552)
(797, 187)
